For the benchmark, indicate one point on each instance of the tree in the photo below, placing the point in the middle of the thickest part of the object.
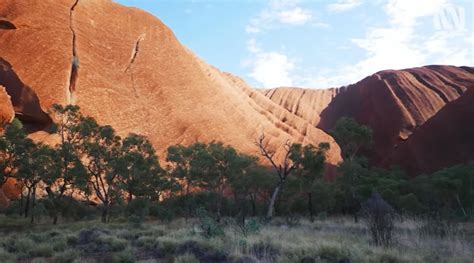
(138, 169)
(283, 170)
(309, 162)
(183, 167)
(69, 170)
(100, 147)
(253, 184)
(37, 164)
(353, 138)
(14, 144)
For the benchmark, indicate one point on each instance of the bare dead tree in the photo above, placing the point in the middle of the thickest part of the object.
(283, 169)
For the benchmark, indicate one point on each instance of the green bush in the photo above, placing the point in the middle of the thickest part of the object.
(110, 243)
(5, 256)
(332, 253)
(146, 242)
(125, 256)
(208, 225)
(162, 212)
(67, 256)
(188, 258)
(41, 250)
(137, 210)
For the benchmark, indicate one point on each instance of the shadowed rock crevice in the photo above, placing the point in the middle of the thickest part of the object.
(7, 25)
(75, 58)
(25, 101)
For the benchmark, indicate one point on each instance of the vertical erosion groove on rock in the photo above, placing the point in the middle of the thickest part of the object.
(75, 58)
(135, 51)
(4, 24)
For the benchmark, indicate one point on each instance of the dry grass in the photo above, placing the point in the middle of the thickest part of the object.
(330, 240)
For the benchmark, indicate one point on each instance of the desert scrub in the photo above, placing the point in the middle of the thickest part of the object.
(331, 240)
(5, 256)
(108, 243)
(187, 258)
(146, 242)
(333, 253)
(67, 256)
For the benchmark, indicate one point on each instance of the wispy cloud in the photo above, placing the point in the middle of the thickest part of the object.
(344, 5)
(279, 13)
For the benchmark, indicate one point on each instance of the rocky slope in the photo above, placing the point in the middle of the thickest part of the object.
(394, 103)
(305, 103)
(444, 140)
(127, 69)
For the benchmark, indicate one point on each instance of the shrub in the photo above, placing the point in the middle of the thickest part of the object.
(125, 256)
(332, 253)
(67, 256)
(20, 245)
(5, 256)
(245, 227)
(41, 250)
(388, 258)
(109, 243)
(146, 242)
(438, 227)
(137, 210)
(162, 212)
(187, 258)
(380, 218)
(265, 250)
(208, 226)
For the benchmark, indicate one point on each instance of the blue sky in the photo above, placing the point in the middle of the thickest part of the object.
(319, 43)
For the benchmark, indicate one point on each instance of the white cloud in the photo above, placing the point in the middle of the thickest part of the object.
(408, 40)
(296, 16)
(321, 25)
(277, 13)
(402, 44)
(344, 5)
(269, 69)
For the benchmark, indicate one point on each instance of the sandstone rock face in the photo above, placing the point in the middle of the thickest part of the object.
(6, 108)
(305, 103)
(24, 100)
(395, 103)
(127, 69)
(444, 140)
(8, 191)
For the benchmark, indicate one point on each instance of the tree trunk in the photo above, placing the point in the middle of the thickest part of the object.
(254, 207)
(105, 213)
(33, 205)
(271, 206)
(21, 203)
(27, 204)
(55, 219)
(310, 207)
(356, 217)
(219, 205)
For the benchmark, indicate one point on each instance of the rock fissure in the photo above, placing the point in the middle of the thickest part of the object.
(136, 50)
(75, 58)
